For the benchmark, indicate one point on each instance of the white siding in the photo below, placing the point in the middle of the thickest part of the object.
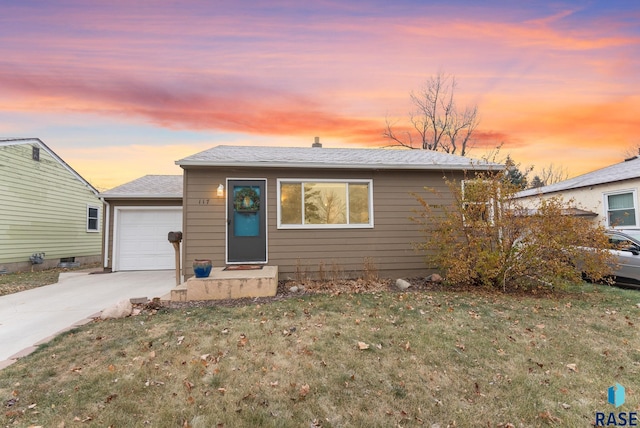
(591, 198)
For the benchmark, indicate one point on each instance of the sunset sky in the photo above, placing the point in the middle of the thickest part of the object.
(123, 88)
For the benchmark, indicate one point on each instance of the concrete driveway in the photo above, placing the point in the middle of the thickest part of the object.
(32, 316)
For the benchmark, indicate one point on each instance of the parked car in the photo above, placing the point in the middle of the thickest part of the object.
(625, 245)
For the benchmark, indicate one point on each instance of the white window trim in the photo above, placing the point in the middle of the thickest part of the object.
(97, 229)
(605, 198)
(369, 225)
(491, 204)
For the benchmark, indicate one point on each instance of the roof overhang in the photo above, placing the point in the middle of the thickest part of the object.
(318, 165)
(140, 196)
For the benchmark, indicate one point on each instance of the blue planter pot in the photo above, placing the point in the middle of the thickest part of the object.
(202, 268)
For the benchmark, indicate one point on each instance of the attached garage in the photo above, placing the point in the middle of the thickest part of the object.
(138, 217)
(141, 237)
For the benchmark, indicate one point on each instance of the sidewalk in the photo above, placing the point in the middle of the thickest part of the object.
(34, 316)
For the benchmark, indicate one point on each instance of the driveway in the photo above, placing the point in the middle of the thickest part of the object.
(31, 316)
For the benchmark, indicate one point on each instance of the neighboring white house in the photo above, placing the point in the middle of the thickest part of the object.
(611, 193)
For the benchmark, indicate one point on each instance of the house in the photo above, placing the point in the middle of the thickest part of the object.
(610, 194)
(312, 211)
(48, 213)
(138, 217)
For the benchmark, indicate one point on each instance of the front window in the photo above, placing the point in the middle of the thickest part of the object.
(92, 218)
(325, 203)
(621, 209)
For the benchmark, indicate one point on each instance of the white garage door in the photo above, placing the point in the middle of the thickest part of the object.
(142, 238)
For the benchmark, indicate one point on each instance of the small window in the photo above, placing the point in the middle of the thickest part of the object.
(621, 209)
(35, 153)
(325, 203)
(92, 219)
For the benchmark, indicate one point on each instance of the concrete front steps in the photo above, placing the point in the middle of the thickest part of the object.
(228, 284)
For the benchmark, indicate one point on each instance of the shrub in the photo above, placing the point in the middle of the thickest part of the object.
(489, 238)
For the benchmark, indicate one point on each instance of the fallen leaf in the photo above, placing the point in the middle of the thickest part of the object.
(273, 384)
(572, 367)
(222, 390)
(188, 385)
(180, 340)
(243, 341)
(547, 416)
(362, 346)
(304, 390)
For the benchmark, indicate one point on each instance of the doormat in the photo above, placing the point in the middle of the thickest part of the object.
(243, 267)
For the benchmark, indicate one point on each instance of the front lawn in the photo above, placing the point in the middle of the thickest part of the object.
(426, 358)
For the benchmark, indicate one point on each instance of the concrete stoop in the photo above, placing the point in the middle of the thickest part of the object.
(229, 284)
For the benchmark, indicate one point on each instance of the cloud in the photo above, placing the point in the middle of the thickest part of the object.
(222, 103)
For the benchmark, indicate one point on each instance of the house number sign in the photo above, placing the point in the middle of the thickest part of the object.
(203, 201)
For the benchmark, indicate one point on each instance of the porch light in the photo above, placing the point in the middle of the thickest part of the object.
(220, 191)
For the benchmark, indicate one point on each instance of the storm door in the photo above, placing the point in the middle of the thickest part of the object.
(246, 221)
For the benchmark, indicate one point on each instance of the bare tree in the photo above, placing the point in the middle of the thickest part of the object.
(332, 208)
(552, 174)
(632, 151)
(436, 122)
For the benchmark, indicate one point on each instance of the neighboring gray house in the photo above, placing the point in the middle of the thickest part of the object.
(45, 208)
(611, 193)
(138, 216)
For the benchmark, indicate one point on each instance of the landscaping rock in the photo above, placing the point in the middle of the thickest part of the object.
(294, 289)
(402, 284)
(434, 278)
(121, 309)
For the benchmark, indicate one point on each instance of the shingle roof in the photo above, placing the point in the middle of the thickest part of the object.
(301, 157)
(626, 170)
(149, 186)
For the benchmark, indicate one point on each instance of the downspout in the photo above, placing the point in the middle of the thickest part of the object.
(105, 234)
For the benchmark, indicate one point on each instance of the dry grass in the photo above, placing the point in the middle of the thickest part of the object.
(20, 281)
(371, 359)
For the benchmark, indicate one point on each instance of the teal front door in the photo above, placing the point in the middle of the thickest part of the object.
(246, 221)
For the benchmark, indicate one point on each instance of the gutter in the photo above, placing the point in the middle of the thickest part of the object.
(289, 165)
(105, 233)
(141, 196)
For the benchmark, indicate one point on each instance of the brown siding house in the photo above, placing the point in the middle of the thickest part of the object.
(312, 210)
